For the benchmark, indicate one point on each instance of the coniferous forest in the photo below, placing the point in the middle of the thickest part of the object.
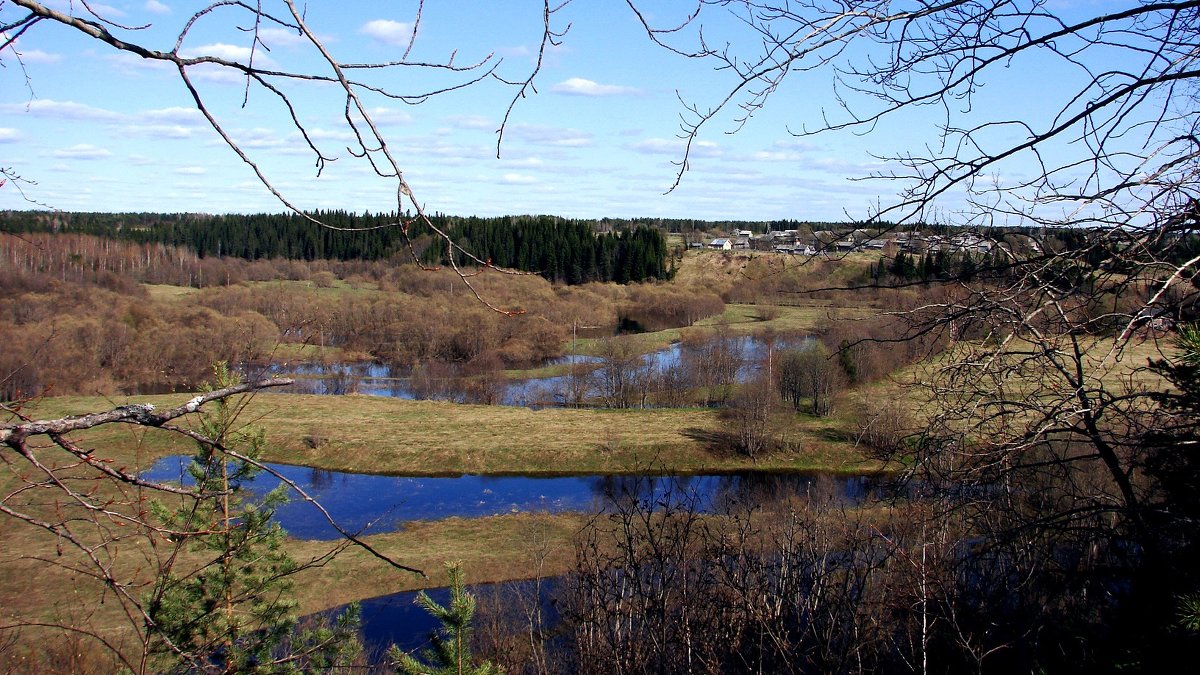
(559, 249)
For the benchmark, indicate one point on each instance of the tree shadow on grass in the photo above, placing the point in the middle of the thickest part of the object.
(718, 443)
(835, 435)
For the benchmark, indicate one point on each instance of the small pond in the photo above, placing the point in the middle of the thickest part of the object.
(373, 503)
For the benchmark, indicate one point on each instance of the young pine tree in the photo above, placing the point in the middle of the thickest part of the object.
(222, 603)
(450, 652)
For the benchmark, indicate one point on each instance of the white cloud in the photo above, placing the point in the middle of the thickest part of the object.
(475, 122)
(191, 170)
(318, 134)
(69, 110)
(794, 144)
(776, 156)
(388, 31)
(84, 151)
(448, 152)
(175, 115)
(257, 138)
(746, 178)
(219, 74)
(389, 116)
(229, 52)
(163, 131)
(38, 56)
(524, 161)
(133, 65)
(658, 146)
(517, 179)
(282, 37)
(156, 7)
(786, 150)
(98, 8)
(578, 86)
(9, 135)
(221, 51)
(675, 146)
(556, 136)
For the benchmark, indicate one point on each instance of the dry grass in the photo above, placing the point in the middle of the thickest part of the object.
(803, 317)
(421, 437)
(717, 270)
(720, 270)
(168, 293)
(370, 434)
(496, 548)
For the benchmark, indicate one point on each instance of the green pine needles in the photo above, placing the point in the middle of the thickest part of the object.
(450, 652)
(223, 601)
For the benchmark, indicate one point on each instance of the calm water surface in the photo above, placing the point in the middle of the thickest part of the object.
(372, 504)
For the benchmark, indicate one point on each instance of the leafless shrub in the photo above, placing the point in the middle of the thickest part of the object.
(883, 427)
(315, 438)
(749, 415)
(323, 279)
(660, 306)
(799, 585)
(711, 359)
(623, 378)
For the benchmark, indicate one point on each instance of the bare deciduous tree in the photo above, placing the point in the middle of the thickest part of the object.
(811, 375)
(749, 413)
(623, 378)
(710, 361)
(1036, 413)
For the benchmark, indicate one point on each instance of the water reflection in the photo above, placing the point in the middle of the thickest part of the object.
(724, 493)
(377, 379)
(397, 619)
(320, 479)
(372, 504)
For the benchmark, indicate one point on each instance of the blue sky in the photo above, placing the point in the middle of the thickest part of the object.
(104, 131)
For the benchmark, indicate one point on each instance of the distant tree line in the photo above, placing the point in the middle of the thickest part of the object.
(249, 236)
(563, 250)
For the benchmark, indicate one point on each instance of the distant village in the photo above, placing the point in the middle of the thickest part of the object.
(823, 242)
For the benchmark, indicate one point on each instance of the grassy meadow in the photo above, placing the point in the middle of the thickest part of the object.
(369, 434)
